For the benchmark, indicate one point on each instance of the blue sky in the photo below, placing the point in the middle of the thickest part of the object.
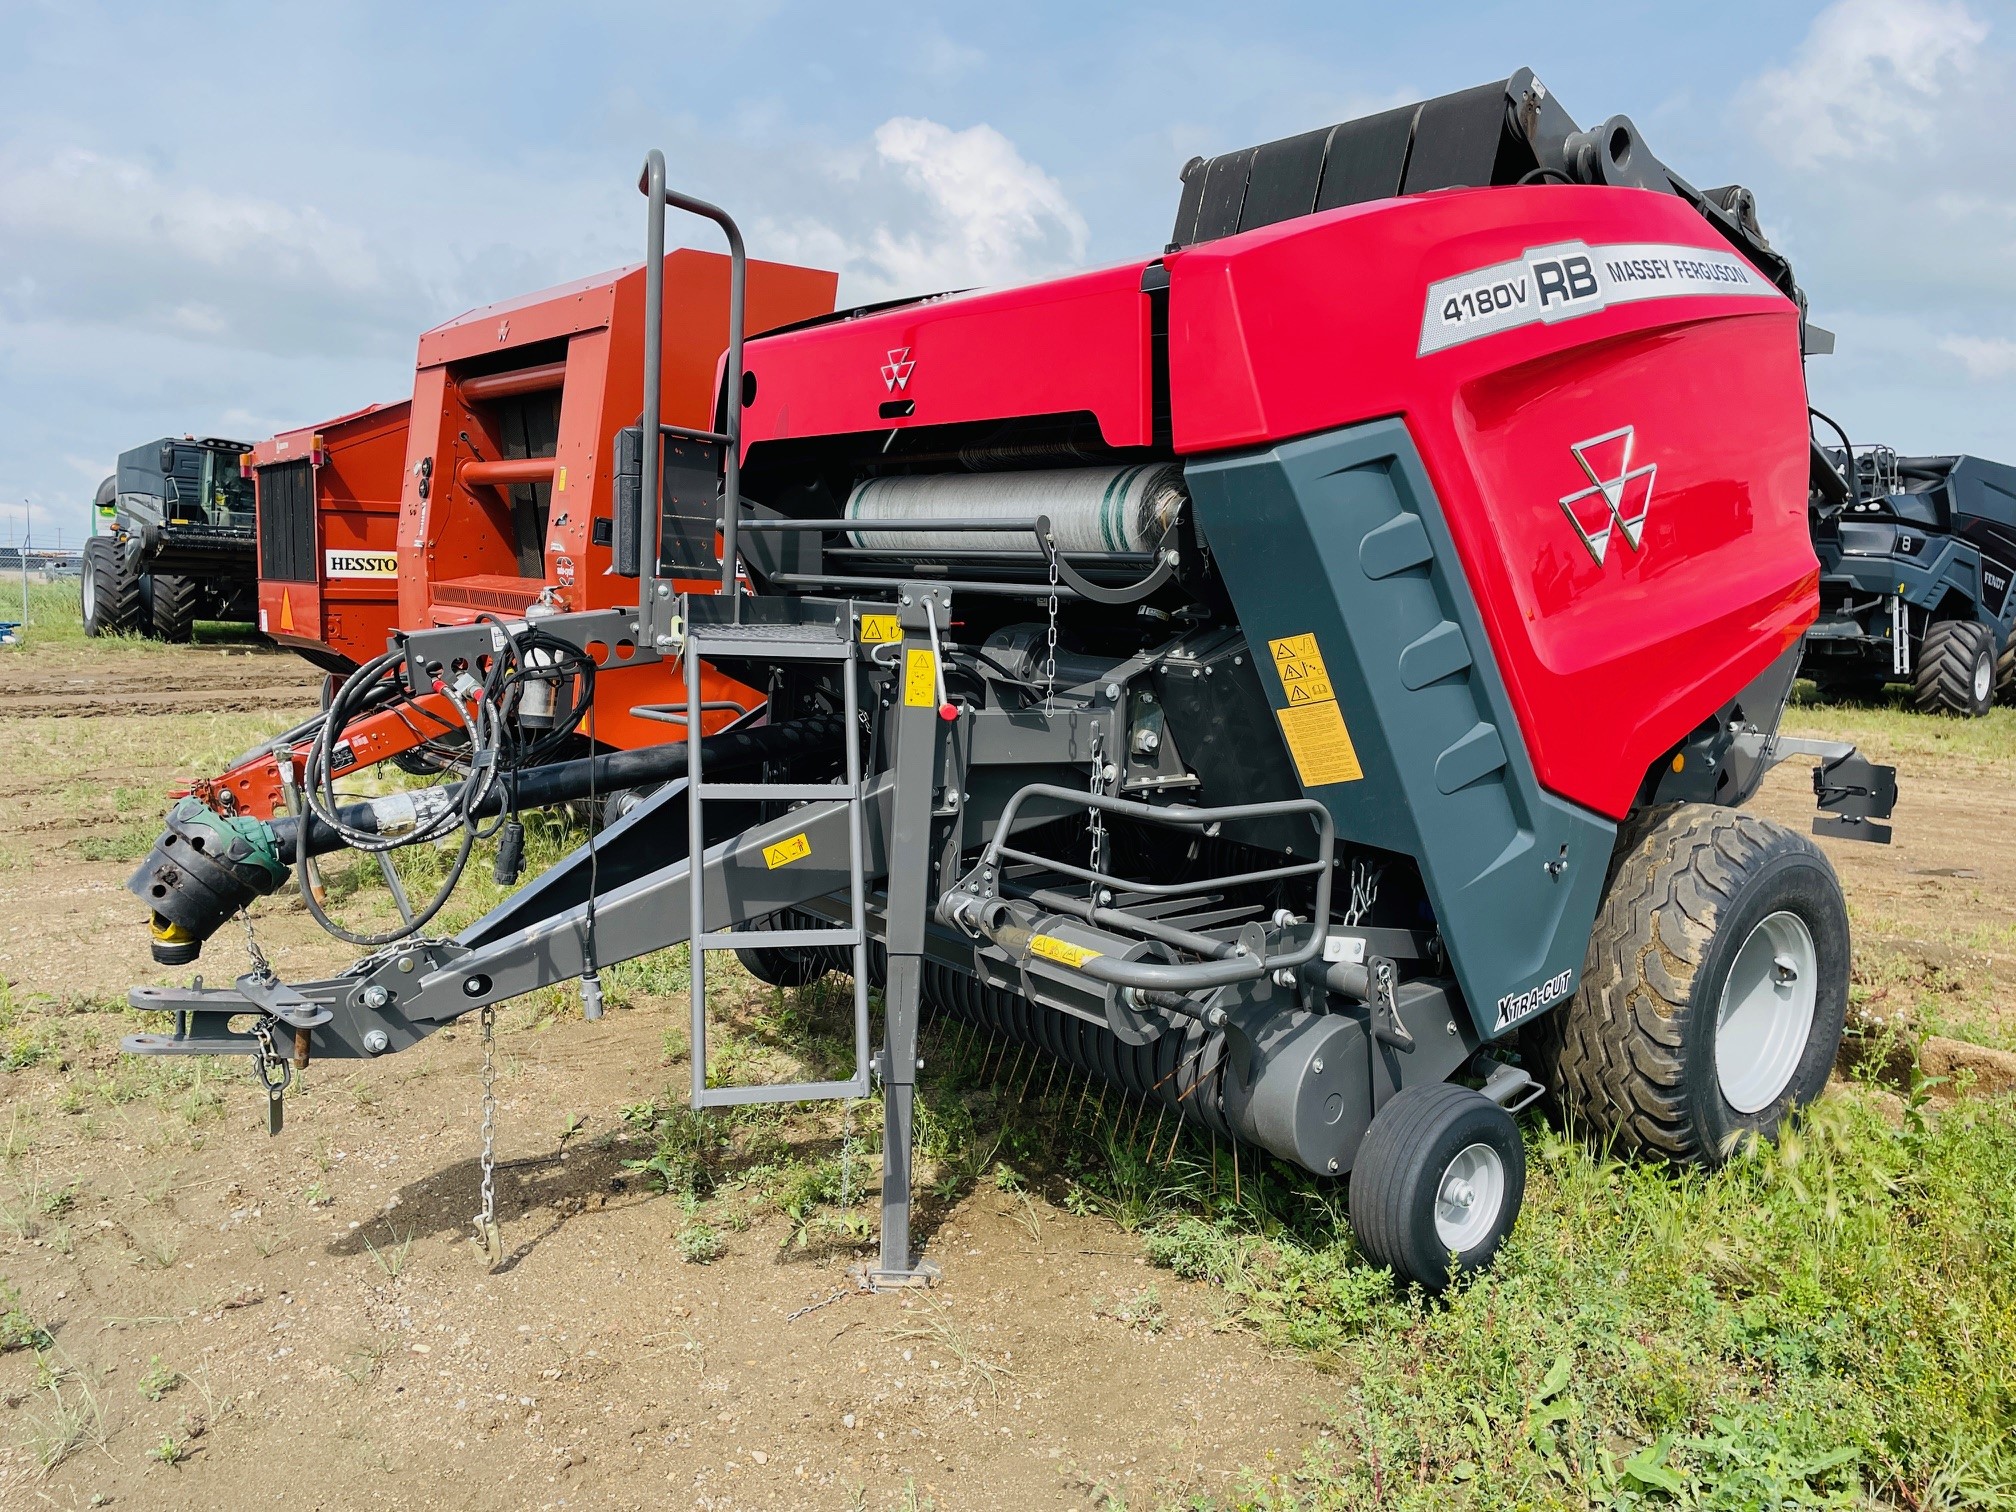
(234, 218)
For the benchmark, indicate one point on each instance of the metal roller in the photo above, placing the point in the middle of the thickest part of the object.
(1091, 509)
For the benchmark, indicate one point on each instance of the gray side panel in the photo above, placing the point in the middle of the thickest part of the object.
(1341, 535)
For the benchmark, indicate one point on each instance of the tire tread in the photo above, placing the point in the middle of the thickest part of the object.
(1612, 1057)
(1944, 681)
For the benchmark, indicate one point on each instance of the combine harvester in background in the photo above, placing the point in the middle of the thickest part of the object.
(491, 493)
(178, 543)
(1295, 678)
(1917, 579)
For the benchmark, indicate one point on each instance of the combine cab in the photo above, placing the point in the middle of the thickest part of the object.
(1304, 680)
(178, 545)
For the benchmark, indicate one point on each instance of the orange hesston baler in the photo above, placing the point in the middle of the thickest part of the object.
(490, 492)
(328, 534)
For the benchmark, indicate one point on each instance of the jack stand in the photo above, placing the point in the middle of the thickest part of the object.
(918, 723)
(898, 1267)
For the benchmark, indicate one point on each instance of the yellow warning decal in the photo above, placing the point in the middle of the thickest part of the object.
(920, 680)
(1062, 951)
(1320, 744)
(1299, 664)
(878, 629)
(784, 852)
(1312, 724)
(560, 481)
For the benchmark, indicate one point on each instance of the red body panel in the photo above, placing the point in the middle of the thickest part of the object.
(348, 608)
(1075, 344)
(461, 558)
(580, 349)
(1317, 323)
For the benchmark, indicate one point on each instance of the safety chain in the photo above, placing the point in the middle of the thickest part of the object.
(261, 967)
(1098, 816)
(847, 1152)
(488, 1234)
(812, 1307)
(1050, 632)
(273, 1071)
(1364, 893)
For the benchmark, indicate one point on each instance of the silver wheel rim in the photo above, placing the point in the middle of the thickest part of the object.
(1469, 1198)
(1984, 677)
(1765, 1018)
(90, 596)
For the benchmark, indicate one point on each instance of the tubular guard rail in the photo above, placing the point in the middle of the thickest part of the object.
(977, 906)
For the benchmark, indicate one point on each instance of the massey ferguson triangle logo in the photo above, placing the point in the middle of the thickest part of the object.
(896, 371)
(1618, 496)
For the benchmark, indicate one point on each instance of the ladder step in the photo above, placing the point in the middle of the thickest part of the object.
(745, 939)
(792, 644)
(788, 791)
(729, 1097)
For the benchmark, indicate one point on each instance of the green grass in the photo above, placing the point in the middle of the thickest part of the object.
(1816, 1323)
(1824, 1323)
(56, 618)
(1889, 729)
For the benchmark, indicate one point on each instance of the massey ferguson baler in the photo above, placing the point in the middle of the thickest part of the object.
(1305, 679)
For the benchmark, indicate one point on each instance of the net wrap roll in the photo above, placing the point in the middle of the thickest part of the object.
(1091, 509)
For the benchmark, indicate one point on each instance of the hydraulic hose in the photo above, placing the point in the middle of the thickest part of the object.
(485, 730)
(563, 781)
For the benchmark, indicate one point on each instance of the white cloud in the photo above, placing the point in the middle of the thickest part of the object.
(1866, 78)
(1986, 358)
(973, 209)
(106, 201)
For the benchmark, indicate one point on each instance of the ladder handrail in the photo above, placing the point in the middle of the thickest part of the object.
(651, 183)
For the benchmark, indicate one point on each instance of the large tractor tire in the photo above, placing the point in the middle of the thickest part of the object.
(1956, 669)
(1713, 995)
(2005, 671)
(1437, 1184)
(111, 593)
(174, 606)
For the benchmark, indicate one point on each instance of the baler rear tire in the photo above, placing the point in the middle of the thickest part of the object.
(111, 593)
(1633, 1056)
(174, 606)
(1956, 669)
(1423, 1140)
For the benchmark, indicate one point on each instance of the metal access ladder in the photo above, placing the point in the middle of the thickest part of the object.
(773, 644)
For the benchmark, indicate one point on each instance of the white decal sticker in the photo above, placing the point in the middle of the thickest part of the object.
(1515, 1006)
(1572, 278)
(360, 564)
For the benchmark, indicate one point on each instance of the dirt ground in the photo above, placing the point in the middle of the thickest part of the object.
(339, 1341)
(303, 1321)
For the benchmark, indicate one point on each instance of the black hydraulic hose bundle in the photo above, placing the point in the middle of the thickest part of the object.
(562, 781)
(320, 800)
(512, 723)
